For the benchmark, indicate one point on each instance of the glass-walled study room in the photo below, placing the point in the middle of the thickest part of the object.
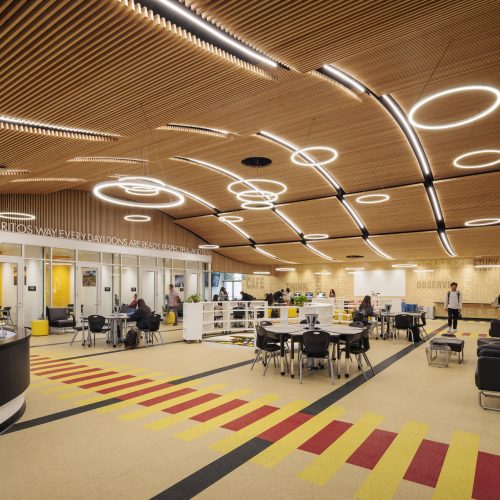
(84, 282)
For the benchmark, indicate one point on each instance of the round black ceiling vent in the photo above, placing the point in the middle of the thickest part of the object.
(256, 161)
(354, 256)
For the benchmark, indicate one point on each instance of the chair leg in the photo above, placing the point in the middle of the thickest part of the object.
(368, 363)
(161, 337)
(300, 367)
(74, 337)
(358, 357)
(256, 358)
(268, 360)
(330, 367)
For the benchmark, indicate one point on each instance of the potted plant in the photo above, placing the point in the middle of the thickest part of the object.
(300, 300)
(194, 298)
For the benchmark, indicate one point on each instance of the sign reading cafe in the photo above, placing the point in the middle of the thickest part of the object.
(35, 230)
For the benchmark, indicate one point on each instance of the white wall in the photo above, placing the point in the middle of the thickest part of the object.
(33, 301)
(147, 288)
(192, 284)
(129, 280)
(88, 294)
(9, 291)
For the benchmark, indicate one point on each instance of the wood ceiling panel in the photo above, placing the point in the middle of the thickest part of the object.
(213, 231)
(475, 241)
(325, 216)
(408, 209)
(264, 226)
(296, 253)
(341, 248)
(469, 198)
(425, 245)
(248, 255)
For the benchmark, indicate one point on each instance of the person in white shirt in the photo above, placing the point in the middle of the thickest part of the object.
(453, 303)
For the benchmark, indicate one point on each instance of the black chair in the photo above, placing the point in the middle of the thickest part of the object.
(357, 317)
(58, 318)
(495, 328)
(77, 330)
(315, 345)
(267, 347)
(305, 322)
(360, 348)
(153, 322)
(97, 324)
(403, 322)
(421, 325)
(488, 374)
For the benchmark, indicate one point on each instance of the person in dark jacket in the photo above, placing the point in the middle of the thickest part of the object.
(140, 315)
(366, 309)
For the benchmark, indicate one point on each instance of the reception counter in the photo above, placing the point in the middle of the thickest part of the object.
(471, 310)
(14, 378)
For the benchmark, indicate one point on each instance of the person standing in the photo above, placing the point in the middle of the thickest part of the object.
(173, 300)
(453, 304)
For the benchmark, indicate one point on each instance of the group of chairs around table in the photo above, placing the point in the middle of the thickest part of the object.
(314, 346)
(404, 323)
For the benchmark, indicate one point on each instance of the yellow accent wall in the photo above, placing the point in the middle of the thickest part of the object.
(60, 285)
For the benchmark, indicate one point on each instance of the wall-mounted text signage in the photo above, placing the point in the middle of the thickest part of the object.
(32, 289)
(133, 289)
(107, 289)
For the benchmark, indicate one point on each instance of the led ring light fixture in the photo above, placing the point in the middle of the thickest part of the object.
(303, 151)
(16, 216)
(315, 236)
(231, 218)
(368, 199)
(138, 185)
(473, 118)
(137, 218)
(208, 247)
(483, 222)
(258, 194)
(457, 160)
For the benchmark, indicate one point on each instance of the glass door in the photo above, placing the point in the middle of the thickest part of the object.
(88, 297)
(148, 287)
(11, 292)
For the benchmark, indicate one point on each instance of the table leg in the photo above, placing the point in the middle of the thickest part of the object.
(338, 360)
(292, 351)
(347, 356)
(282, 354)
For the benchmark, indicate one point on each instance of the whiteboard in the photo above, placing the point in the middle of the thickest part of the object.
(387, 283)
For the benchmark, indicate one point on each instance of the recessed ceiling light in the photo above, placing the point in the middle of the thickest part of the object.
(109, 159)
(404, 265)
(354, 268)
(16, 216)
(486, 266)
(285, 269)
(138, 183)
(322, 274)
(315, 236)
(231, 218)
(261, 272)
(208, 247)
(300, 152)
(51, 179)
(372, 198)
(458, 164)
(423, 271)
(18, 124)
(465, 88)
(196, 129)
(483, 222)
(256, 161)
(137, 218)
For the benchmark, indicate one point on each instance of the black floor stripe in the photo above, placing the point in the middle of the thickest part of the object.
(202, 479)
(61, 414)
(212, 372)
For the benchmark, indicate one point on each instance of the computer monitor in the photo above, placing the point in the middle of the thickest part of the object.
(309, 295)
(297, 294)
(124, 308)
(321, 295)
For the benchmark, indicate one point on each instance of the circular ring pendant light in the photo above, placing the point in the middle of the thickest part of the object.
(16, 216)
(208, 247)
(257, 194)
(457, 161)
(368, 199)
(137, 218)
(300, 152)
(231, 218)
(483, 222)
(315, 236)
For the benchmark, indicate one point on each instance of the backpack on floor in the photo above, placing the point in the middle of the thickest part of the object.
(132, 338)
(415, 333)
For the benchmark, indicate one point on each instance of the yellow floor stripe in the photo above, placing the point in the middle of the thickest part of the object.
(121, 392)
(385, 478)
(100, 397)
(205, 427)
(135, 415)
(139, 399)
(250, 431)
(457, 474)
(282, 448)
(191, 412)
(329, 462)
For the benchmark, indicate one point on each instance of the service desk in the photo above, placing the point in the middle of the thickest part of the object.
(14, 377)
(471, 310)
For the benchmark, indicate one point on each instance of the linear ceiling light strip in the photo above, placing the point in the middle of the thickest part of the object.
(376, 249)
(109, 159)
(399, 116)
(317, 252)
(271, 256)
(17, 124)
(196, 129)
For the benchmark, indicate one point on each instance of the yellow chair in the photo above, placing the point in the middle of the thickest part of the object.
(292, 313)
(170, 318)
(39, 327)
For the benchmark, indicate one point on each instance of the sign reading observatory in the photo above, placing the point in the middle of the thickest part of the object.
(15, 227)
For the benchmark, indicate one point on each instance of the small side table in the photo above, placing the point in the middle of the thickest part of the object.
(456, 345)
(39, 327)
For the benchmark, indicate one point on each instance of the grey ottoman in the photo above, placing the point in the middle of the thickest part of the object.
(456, 345)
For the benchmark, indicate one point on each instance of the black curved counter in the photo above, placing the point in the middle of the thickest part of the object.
(14, 378)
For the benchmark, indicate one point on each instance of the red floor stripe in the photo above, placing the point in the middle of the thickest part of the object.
(285, 427)
(325, 437)
(148, 390)
(427, 463)
(59, 370)
(192, 403)
(36, 368)
(371, 451)
(219, 410)
(487, 480)
(482, 335)
(166, 397)
(88, 370)
(100, 373)
(106, 381)
(249, 418)
(465, 334)
(45, 363)
(124, 386)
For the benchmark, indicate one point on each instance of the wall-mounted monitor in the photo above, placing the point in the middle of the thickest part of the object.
(309, 295)
(297, 294)
(321, 295)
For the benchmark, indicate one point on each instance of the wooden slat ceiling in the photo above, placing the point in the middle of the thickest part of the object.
(485, 239)
(100, 65)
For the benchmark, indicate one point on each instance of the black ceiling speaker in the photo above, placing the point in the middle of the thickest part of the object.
(354, 256)
(256, 161)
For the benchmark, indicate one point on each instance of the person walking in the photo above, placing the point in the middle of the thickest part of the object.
(173, 300)
(453, 304)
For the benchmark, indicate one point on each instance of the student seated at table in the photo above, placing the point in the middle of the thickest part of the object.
(140, 315)
(366, 309)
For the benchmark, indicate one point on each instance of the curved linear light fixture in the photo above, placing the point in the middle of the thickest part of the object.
(233, 226)
(402, 266)
(109, 159)
(16, 216)
(315, 236)
(51, 179)
(423, 271)
(456, 161)
(376, 249)
(326, 273)
(18, 124)
(301, 152)
(353, 214)
(344, 78)
(483, 222)
(446, 243)
(455, 90)
(318, 252)
(368, 199)
(196, 129)
(14, 171)
(208, 247)
(486, 266)
(187, 19)
(354, 268)
(285, 269)
(261, 272)
(270, 255)
(288, 221)
(137, 218)
(138, 182)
